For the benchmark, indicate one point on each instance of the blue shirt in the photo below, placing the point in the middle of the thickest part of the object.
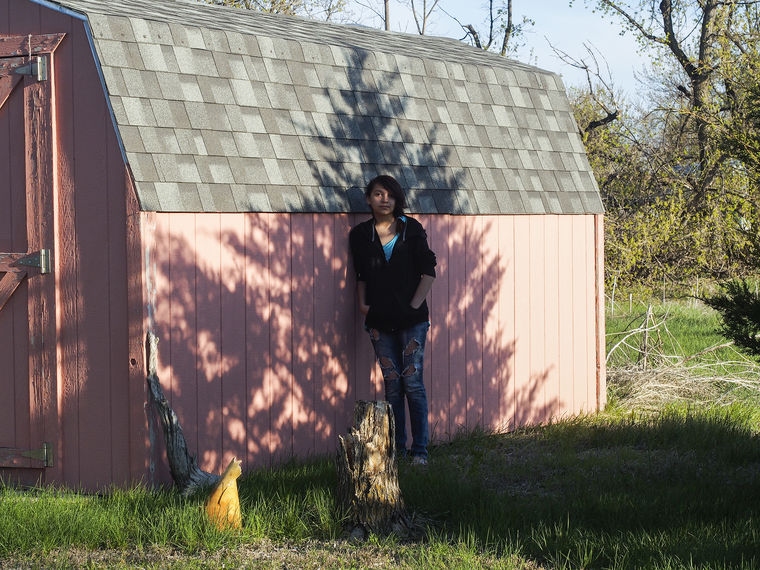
(388, 247)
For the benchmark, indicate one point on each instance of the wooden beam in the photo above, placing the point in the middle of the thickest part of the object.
(601, 346)
(14, 457)
(40, 177)
(8, 285)
(9, 64)
(7, 83)
(7, 261)
(11, 46)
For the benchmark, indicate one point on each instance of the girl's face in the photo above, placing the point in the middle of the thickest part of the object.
(381, 201)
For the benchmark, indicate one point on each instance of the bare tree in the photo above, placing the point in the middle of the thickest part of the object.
(502, 29)
(317, 9)
(422, 16)
(599, 84)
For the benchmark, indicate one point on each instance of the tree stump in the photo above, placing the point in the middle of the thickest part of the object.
(368, 487)
(187, 476)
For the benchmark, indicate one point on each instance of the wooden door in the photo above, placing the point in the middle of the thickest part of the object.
(28, 410)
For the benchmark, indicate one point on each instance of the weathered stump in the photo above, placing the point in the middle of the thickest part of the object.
(187, 476)
(368, 487)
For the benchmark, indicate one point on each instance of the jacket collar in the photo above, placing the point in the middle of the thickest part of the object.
(402, 223)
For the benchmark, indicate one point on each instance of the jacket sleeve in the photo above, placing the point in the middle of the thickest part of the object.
(424, 257)
(355, 246)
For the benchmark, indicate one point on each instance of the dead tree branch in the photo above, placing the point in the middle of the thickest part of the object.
(187, 476)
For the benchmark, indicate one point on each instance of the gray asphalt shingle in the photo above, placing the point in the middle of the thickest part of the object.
(222, 109)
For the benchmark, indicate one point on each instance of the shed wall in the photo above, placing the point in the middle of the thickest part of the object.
(263, 351)
(91, 376)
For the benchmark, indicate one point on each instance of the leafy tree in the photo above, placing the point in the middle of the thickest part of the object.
(739, 307)
(738, 301)
(706, 40)
(672, 168)
(636, 154)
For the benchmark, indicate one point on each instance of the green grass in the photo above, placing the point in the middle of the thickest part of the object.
(677, 488)
(606, 492)
(685, 329)
(671, 490)
(687, 359)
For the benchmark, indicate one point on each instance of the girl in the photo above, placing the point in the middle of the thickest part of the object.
(394, 273)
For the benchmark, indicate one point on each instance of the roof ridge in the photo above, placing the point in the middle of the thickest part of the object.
(267, 112)
(358, 36)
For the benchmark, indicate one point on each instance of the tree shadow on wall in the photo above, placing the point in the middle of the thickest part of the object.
(266, 351)
(393, 119)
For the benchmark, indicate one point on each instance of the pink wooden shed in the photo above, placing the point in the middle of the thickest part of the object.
(192, 170)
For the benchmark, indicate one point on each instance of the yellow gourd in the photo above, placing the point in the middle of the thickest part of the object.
(223, 504)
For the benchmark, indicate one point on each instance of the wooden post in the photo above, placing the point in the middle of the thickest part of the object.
(644, 351)
(368, 475)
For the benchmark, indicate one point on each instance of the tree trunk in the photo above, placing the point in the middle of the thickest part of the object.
(188, 477)
(368, 475)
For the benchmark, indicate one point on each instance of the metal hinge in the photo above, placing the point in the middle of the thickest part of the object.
(39, 259)
(37, 67)
(44, 454)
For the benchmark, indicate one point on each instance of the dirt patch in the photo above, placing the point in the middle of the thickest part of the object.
(263, 554)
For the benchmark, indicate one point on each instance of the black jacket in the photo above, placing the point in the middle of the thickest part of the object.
(391, 284)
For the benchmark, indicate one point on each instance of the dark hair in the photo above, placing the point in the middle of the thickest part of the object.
(393, 187)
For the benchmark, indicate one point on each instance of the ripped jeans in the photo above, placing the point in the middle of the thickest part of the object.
(400, 355)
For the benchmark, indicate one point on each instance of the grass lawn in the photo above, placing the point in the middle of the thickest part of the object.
(678, 487)
(675, 354)
(679, 329)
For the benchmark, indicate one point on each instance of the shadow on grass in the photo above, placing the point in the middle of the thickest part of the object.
(677, 490)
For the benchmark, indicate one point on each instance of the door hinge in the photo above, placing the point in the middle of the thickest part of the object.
(37, 67)
(39, 259)
(43, 455)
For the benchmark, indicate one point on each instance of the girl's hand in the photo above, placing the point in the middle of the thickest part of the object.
(426, 283)
(363, 309)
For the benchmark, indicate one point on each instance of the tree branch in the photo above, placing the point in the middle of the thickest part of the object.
(635, 23)
(612, 114)
(601, 122)
(425, 14)
(666, 9)
(188, 477)
(475, 37)
(490, 26)
(508, 30)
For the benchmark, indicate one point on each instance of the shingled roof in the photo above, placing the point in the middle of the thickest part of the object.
(222, 109)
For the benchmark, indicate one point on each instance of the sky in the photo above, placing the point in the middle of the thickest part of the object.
(568, 29)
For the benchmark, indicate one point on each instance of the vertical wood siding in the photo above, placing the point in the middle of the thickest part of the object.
(266, 351)
(91, 374)
(14, 330)
(92, 271)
